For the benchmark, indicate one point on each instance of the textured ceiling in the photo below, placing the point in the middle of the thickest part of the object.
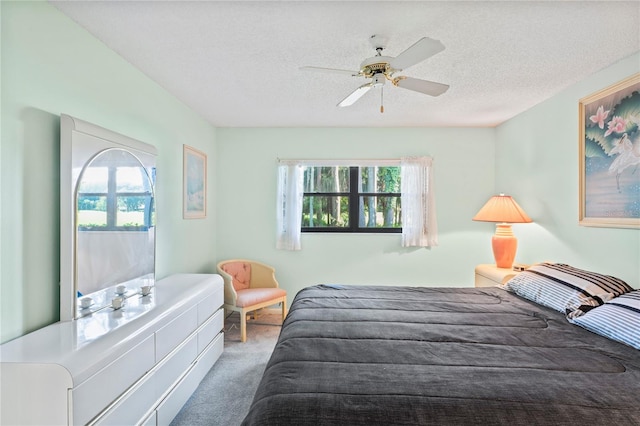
(237, 63)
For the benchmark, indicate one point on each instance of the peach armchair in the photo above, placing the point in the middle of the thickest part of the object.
(248, 286)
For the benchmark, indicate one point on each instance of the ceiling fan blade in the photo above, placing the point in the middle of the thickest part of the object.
(418, 52)
(423, 86)
(333, 70)
(355, 95)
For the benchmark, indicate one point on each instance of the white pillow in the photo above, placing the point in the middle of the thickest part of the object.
(618, 319)
(565, 288)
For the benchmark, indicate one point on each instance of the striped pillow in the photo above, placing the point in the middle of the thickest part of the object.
(618, 319)
(565, 288)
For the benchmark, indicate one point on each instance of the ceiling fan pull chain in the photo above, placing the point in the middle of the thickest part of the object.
(381, 99)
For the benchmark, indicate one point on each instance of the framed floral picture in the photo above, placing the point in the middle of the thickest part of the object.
(194, 180)
(609, 156)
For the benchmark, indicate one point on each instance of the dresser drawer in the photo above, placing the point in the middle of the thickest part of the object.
(134, 405)
(172, 404)
(170, 370)
(209, 305)
(210, 330)
(141, 398)
(94, 394)
(172, 334)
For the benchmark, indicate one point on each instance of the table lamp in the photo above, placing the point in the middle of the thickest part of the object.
(503, 210)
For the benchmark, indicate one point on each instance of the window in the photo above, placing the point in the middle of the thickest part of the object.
(351, 199)
(390, 196)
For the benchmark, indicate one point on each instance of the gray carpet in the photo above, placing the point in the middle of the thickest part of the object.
(226, 392)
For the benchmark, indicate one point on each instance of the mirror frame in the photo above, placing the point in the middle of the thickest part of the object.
(81, 141)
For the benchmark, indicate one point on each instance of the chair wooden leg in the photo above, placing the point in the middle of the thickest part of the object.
(243, 326)
(284, 308)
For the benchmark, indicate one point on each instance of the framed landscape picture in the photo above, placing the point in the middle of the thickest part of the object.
(609, 156)
(194, 203)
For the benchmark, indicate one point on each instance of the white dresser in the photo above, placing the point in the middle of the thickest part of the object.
(135, 365)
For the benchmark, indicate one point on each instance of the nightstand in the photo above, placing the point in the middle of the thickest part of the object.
(489, 275)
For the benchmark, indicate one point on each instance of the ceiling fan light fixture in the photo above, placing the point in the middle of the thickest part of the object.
(378, 80)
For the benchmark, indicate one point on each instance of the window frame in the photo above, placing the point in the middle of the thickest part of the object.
(353, 196)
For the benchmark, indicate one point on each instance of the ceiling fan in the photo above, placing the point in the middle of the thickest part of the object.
(381, 68)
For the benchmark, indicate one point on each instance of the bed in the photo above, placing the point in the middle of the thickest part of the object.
(362, 355)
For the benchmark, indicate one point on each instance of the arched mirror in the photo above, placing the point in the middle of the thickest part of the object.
(115, 227)
(107, 217)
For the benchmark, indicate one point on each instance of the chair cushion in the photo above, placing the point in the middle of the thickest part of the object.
(240, 272)
(253, 296)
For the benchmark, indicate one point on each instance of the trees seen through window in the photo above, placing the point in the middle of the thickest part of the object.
(351, 199)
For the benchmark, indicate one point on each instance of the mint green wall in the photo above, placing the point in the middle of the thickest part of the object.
(50, 66)
(464, 179)
(537, 162)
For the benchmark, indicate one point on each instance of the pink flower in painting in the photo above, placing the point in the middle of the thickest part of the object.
(600, 116)
(617, 124)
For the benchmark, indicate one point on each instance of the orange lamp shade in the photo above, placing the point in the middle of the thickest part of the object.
(504, 210)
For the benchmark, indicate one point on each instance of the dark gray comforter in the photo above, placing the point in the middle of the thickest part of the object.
(443, 356)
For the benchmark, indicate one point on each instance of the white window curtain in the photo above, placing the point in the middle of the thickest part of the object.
(289, 204)
(419, 226)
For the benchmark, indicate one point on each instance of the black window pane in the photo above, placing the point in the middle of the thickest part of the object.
(379, 179)
(326, 179)
(325, 212)
(380, 212)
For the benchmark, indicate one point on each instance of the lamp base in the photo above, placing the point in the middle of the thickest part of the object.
(504, 245)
